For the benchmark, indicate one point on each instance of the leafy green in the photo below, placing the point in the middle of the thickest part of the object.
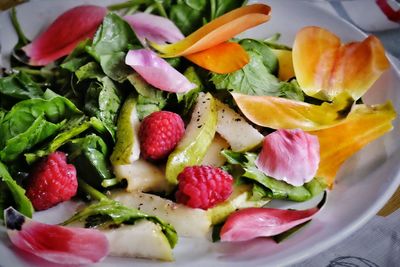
(113, 212)
(220, 7)
(149, 99)
(22, 203)
(90, 156)
(90, 70)
(291, 90)
(272, 188)
(187, 18)
(39, 130)
(78, 57)
(69, 130)
(20, 86)
(188, 99)
(253, 79)
(103, 101)
(19, 119)
(188, 15)
(269, 59)
(110, 44)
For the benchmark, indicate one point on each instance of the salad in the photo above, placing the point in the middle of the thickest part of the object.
(165, 125)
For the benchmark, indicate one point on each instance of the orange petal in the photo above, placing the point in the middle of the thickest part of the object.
(223, 58)
(324, 67)
(217, 31)
(363, 125)
(282, 113)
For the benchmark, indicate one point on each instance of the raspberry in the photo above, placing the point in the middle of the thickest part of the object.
(52, 181)
(159, 133)
(203, 186)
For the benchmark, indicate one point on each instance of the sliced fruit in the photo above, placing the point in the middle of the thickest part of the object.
(127, 147)
(286, 70)
(213, 156)
(143, 176)
(197, 138)
(59, 244)
(217, 31)
(333, 67)
(186, 221)
(240, 135)
(144, 239)
(239, 199)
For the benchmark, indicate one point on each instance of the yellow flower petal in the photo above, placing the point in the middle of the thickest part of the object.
(282, 113)
(286, 70)
(363, 125)
(217, 31)
(325, 67)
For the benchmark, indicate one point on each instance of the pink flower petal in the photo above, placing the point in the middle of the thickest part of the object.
(157, 72)
(290, 155)
(250, 223)
(154, 28)
(62, 36)
(59, 244)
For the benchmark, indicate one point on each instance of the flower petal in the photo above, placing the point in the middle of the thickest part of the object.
(250, 223)
(217, 31)
(332, 68)
(224, 58)
(154, 28)
(363, 125)
(61, 37)
(289, 155)
(282, 113)
(59, 244)
(157, 72)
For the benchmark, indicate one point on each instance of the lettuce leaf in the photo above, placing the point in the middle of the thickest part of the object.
(266, 186)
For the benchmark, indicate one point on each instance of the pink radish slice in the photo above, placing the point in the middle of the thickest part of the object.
(290, 155)
(62, 36)
(60, 244)
(250, 223)
(157, 72)
(154, 28)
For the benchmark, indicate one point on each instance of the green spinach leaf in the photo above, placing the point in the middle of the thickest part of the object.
(19, 119)
(69, 130)
(253, 79)
(20, 86)
(38, 131)
(103, 101)
(22, 203)
(291, 90)
(90, 155)
(272, 188)
(110, 44)
(150, 99)
(269, 59)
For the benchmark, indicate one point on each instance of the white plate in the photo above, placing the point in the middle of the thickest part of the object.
(365, 182)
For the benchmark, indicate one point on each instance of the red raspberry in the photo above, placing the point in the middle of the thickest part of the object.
(203, 186)
(52, 181)
(159, 133)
